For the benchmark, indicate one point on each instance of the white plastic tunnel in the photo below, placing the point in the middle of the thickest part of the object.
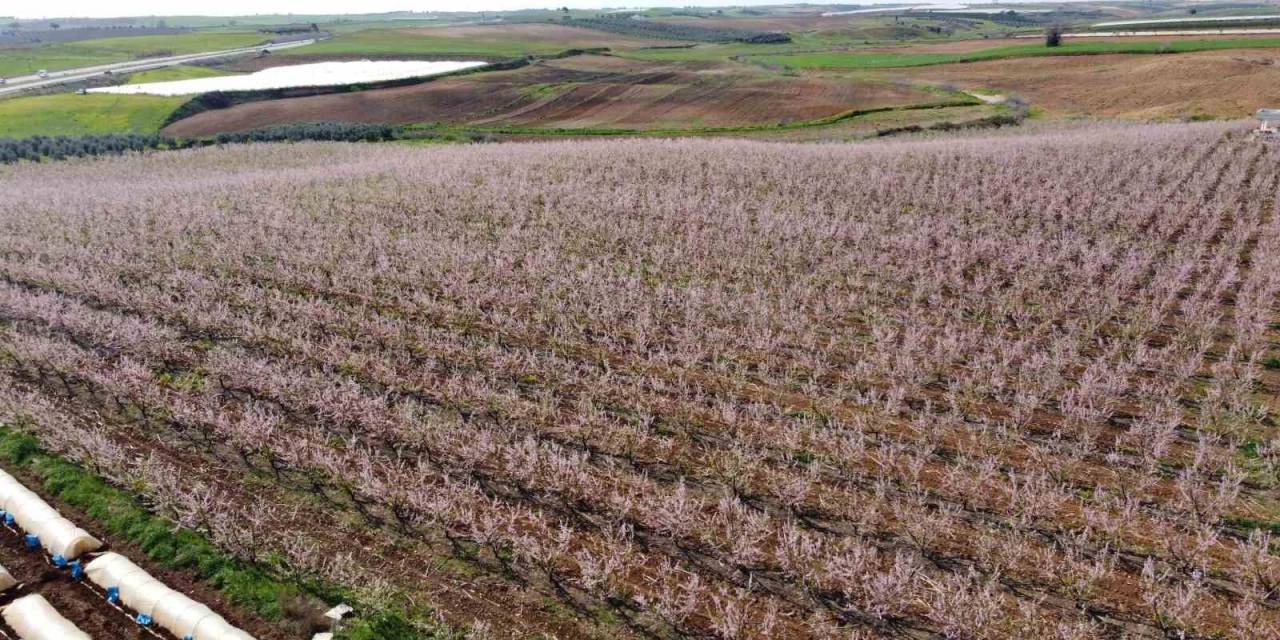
(33, 618)
(59, 536)
(168, 609)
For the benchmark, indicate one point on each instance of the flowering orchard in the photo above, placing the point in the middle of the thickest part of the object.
(1016, 386)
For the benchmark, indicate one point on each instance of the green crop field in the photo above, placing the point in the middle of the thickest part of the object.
(708, 52)
(869, 31)
(887, 60)
(404, 42)
(55, 57)
(71, 114)
(354, 26)
(179, 72)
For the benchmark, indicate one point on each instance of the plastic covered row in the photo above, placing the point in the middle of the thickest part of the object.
(33, 618)
(166, 608)
(59, 536)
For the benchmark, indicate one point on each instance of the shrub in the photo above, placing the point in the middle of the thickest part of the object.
(1053, 36)
(38, 148)
(329, 131)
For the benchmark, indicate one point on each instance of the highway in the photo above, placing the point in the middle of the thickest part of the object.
(24, 83)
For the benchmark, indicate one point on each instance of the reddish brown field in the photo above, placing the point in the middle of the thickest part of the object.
(587, 91)
(1228, 84)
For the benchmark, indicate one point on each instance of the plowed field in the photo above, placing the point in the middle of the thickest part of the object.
(1227, 84)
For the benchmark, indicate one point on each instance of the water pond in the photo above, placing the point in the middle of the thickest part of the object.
(320, 74)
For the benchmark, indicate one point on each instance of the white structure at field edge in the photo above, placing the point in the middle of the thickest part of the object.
(1270, 120)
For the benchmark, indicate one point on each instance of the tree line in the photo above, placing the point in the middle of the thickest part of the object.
(40, 148)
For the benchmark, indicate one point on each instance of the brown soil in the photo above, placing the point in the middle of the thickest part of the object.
(1226, 84)
(586, 91)
(83, 603)
(727, 102)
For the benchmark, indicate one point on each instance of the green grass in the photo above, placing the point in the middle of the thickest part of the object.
(1245, 525)
(542, 91)
(709, 52)
(251, 587)
(800, 42)
(870, 31)
(403, 42)
(70, 114)
(179, 72)
(56, 57)
(887, 60)
(352, 26)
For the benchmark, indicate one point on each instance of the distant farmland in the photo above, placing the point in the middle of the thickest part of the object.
(580, 92)
(1224, 84)
(889, 59)
(1015, 386)
(53, 57)
(497, 41)
(69, 114)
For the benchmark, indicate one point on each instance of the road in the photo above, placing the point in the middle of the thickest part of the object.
(23, 83)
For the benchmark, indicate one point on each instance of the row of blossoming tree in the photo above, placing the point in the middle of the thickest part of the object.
(987, 387)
